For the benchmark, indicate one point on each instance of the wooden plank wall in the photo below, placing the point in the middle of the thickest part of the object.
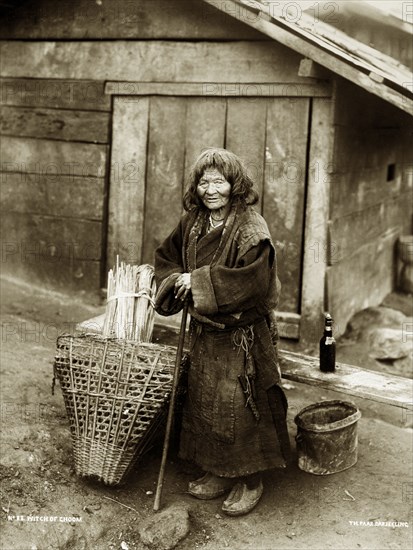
(211, 62)
(56, 133)
(368, 212)
(54, 145)
(117, 19)
(56, 121)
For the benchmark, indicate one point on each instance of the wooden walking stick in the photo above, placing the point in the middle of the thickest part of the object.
(178, 360)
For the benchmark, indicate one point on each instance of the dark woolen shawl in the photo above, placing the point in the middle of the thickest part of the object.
(224, 298)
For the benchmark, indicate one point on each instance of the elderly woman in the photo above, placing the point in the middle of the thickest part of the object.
(222, 260)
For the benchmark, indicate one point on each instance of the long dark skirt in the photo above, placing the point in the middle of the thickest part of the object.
(219, 433)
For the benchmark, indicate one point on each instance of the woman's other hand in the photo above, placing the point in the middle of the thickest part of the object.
(183, 286)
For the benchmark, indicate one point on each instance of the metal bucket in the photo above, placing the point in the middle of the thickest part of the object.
(327, 437)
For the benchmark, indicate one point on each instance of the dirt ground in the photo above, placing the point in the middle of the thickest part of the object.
(347, 510)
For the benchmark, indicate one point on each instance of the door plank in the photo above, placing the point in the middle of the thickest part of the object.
(127, 180)
(314, 297)
(205, 127)
(165, 171)
(284, 190)
(246, 136)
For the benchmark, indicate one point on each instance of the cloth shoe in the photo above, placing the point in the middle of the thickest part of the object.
(209, 486)
(242, 500)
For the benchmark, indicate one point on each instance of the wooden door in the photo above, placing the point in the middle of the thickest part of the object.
(157, 138)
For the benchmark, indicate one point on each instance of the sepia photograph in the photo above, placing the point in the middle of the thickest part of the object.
(206, 274)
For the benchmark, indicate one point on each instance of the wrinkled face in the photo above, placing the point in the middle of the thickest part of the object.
(213, 189)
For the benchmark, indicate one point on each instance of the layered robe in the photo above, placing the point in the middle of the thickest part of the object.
(228, 427)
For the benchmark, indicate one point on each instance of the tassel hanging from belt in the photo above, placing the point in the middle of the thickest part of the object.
(243, 338)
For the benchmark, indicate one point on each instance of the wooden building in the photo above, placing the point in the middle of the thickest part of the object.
(105, 105)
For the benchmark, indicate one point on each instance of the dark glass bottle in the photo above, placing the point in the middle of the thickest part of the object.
(328, 346)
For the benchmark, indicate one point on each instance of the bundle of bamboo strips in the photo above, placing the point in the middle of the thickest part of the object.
(130, 302)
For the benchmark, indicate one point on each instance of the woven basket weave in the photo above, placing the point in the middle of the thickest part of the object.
(115, 393)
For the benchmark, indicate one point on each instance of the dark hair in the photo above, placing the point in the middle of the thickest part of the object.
(233, 170)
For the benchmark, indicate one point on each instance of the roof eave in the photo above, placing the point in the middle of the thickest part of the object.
(333, 62)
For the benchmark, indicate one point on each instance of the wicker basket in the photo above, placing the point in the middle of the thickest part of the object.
(115, 393)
